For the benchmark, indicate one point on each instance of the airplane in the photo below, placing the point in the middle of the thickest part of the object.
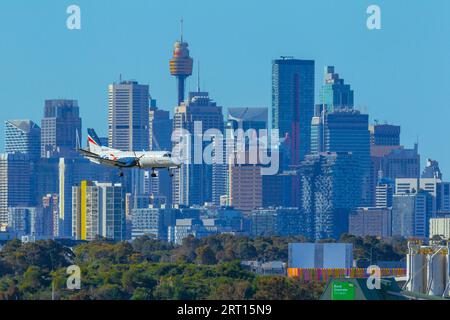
(110, 157)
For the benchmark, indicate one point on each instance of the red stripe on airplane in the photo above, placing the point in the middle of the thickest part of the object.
(91, 141)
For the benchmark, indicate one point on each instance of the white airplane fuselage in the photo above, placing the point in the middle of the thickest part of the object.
(146, 159)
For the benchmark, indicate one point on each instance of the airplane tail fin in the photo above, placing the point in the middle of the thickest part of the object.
(93, 141)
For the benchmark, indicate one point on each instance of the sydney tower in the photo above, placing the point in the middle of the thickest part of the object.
(181, 65)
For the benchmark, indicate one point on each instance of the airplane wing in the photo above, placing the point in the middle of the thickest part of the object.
(95, 157)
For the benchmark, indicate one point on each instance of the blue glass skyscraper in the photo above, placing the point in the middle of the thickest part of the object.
(293, 103)
(23, 136)
(335, 94)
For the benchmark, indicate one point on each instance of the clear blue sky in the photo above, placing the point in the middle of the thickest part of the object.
(400, 74)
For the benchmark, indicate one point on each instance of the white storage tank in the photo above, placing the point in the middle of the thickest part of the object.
(447, 280)
(437, 272)
(416, 269)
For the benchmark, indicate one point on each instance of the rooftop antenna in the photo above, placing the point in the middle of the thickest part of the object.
(120, 78)
(198, 77)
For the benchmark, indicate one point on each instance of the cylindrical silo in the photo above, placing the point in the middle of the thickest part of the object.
(447, 280)
(437, 272)
(416, 269)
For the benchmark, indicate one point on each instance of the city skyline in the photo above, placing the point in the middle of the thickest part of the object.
(358, 63)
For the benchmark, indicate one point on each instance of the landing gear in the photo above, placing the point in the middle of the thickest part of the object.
(154, 175)
(170, 173)
(121, 174)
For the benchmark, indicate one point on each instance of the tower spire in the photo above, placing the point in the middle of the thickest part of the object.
(198, 77)
(181, 29)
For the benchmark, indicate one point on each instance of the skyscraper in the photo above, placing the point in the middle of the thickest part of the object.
(383, 140)
(98, 211)
(411, 214)
(23, 136)
(245, 187)
(160, 129)
(376, 222)
(192, 183)
(328, 191)
(50, 207)
(60, 128)
(245, 119)
(293, 104)
(70, 173)
(432, 170)
(128, 116)
(346, 130)
(401, 163)
(152, 222)
(181, 65)
(384, 135)
(15, 184)
(276, 222)
(335, 94)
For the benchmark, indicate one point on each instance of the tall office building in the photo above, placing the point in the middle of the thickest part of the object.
(60, 128)
(98, 211)
(335, 94)
(346, 130)
(45, 178)
(328, 189)
(432, 170)
(401, 163)
(70, 173)
(160, 130)
(192, 183)
(376, 222)
(26, 221)
(246, 119)
(383, 140)
(23, 136)
(245, 187)
(293, 104)
(384, 135)
(128, 119)
(15, 184)
(384, 192)
(152, 222)
(439, 191)
(411, 215)
(181, 65)
(280, 221)
(317, 129)
(50, 207)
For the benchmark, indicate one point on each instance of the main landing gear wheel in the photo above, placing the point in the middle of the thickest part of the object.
(154, 175)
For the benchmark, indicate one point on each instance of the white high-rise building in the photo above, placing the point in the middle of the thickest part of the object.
(15, 183)
(128, 117)
(98, 210)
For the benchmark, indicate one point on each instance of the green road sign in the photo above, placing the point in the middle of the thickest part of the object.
(342, 290)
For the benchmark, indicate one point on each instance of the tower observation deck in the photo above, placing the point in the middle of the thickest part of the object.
(181, 65)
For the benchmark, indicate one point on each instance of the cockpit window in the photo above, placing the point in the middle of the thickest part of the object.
(167, 155)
